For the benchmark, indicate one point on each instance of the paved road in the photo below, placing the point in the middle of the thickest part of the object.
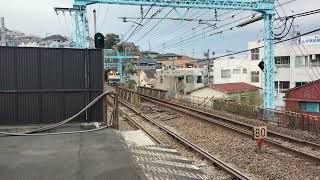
(95, 155)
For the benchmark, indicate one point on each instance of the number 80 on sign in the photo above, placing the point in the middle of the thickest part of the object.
(259, 132)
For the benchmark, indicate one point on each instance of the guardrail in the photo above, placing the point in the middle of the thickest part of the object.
(128, 95)
(154, 92)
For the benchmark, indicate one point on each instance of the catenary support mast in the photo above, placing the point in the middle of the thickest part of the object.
(266, 7)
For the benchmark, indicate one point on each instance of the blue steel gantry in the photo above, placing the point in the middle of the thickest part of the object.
(265, 7)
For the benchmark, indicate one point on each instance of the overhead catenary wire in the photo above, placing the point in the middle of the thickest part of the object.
(104, 18)
(307, 13)
(193, 29)
(132, 33)
(191, 39)
(187, 38)
(154, 26)
(259, 47)
(145, 24)
(191, 35)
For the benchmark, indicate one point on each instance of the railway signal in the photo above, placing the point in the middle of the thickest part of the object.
(99, 41)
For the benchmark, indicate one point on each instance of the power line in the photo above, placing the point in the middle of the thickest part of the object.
(174, 30)
(301, 15)
(155, 25)
(138, 25)
(104, 18)
(205, 32)
(151, 18)
(259, 47)
(185, 34)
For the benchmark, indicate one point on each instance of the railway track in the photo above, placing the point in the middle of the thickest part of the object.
(139, 126)
(232, 171)
(303, 149)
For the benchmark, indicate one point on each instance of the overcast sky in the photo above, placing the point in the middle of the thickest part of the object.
(37, 17)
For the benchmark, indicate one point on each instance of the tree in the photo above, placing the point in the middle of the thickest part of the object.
(111, 40)
(130, 67)
(128, 47)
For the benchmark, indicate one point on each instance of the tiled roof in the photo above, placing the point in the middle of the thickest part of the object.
(147, 61)
(233, 87)
(55, 38)
(308, 84)
(168, 55)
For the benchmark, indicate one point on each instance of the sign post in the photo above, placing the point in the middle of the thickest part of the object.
(259, 133)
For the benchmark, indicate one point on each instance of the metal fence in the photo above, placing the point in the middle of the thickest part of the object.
(286, 119)
(47, 85)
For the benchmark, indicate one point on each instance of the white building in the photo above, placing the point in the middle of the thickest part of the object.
(295, 65)
(180, 80)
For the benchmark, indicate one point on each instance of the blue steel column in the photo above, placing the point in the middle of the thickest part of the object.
(120, 66)
(269, 63)
(81, 27)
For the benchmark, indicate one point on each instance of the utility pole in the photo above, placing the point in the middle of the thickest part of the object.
(3, 41)
(95, 21)
(207, 55)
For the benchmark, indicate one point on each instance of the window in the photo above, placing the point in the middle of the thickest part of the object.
(276, 86)
(190, 79)
(255, 76)
(315, 60)
(226, 74)
(284, 86)
(236, 71)
(255, 54)
(199, 79)
(309, 106)
(300, 83)
(161, 79)
(282, 61)
(244, 71)
(301, 61)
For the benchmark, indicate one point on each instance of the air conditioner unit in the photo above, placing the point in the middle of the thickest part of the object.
(275, 70)
(313, 57)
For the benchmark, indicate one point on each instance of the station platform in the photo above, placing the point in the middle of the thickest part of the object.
(98, 155)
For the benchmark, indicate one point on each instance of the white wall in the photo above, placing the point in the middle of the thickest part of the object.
(293, 74)
(170, 78)
(224, 64)
(208, 92)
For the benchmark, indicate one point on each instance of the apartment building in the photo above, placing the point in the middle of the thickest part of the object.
(296, 63)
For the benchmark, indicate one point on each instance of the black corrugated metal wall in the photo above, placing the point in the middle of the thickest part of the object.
(47, 85)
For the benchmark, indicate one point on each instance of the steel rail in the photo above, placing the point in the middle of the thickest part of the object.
(193, 146)
(137, 125)
(191, 111)
(242, 124)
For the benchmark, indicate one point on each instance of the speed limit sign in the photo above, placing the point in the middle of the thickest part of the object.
(259, 132)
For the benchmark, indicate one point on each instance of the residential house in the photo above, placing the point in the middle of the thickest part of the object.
(177, 61)
(147, 63)
(149, 54)
(147, 78)
(304, 98)
(180, 80)
(238, 92)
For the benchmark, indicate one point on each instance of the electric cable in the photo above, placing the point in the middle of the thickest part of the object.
(49, 127)
(155, 25)
(70, 118)
(259, 47)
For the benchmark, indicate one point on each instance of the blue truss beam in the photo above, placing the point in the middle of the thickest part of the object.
(261, 6)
